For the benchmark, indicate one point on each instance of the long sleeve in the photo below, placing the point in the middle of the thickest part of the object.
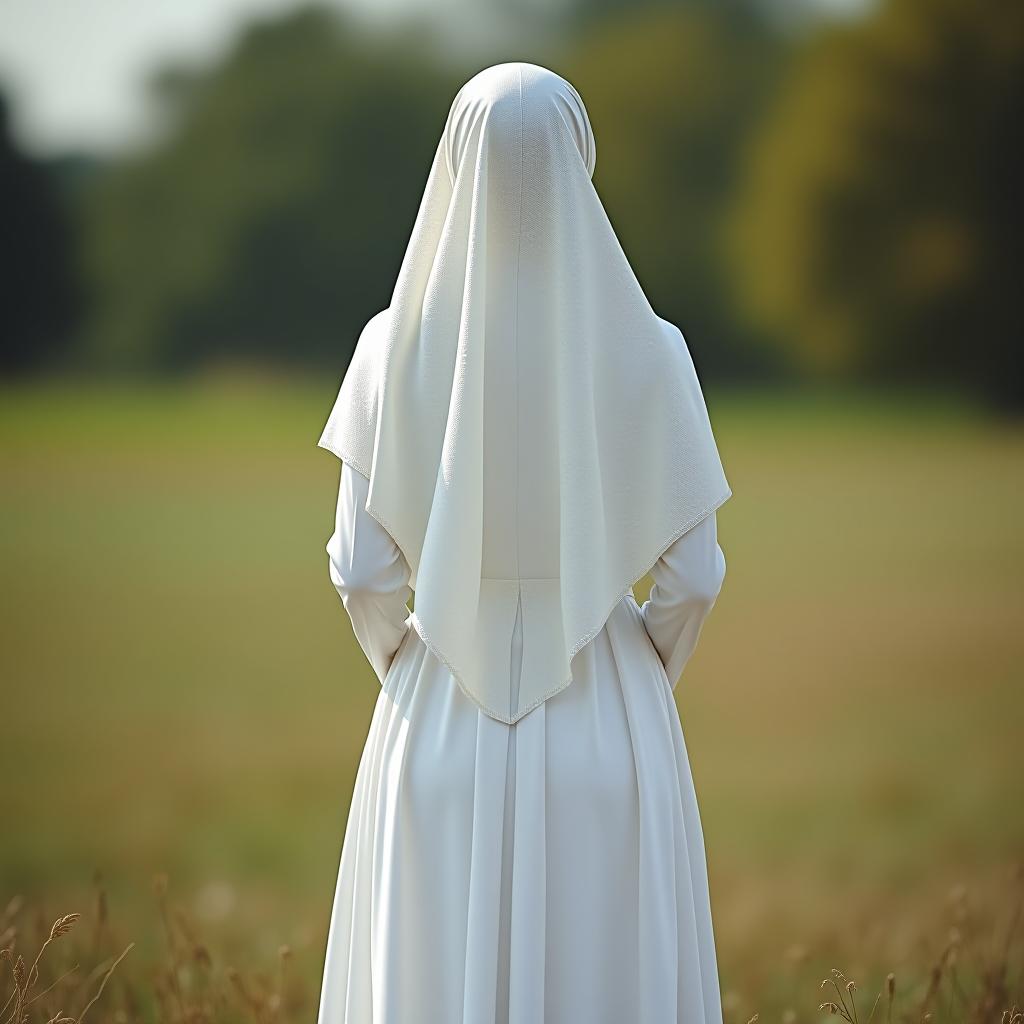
(687, 580)
(370, 574)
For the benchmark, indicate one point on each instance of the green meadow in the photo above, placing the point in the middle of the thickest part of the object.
(182, 693)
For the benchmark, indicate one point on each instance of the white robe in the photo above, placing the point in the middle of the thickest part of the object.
(546, 872)
(533, 432)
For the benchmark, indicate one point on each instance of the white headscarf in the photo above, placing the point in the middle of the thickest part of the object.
(534, 434)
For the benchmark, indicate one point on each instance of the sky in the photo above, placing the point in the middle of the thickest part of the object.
(74, 71)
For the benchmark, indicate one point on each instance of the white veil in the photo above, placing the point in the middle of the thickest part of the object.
(534, 434)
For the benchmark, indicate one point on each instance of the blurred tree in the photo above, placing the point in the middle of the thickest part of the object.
(272, 222)
(40, 300)
(672, 92)
(880, 227)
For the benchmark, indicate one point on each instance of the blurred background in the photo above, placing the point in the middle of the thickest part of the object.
(201, 205)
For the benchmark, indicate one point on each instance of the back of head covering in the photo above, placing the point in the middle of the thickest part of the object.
(534, 434)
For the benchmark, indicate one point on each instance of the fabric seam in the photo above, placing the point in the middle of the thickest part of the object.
(515, 328)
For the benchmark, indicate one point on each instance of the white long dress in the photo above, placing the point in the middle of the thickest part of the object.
(552, 870)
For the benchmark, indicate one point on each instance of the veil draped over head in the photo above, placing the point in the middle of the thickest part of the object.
(534, 434)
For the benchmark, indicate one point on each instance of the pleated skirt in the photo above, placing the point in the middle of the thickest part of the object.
(547, 872)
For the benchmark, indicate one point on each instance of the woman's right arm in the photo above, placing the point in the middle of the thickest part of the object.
(687, 580)
(370, 574)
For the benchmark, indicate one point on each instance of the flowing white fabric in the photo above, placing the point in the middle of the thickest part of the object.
(534, 434)
(547, 872)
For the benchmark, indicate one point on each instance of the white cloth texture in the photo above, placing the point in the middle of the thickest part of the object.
(546, 872)
(534, 434)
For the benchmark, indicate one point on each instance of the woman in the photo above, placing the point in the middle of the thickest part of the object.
(522, 438)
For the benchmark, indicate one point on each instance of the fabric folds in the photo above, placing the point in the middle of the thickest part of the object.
(534, 435)
(547, 871)
(552, 870)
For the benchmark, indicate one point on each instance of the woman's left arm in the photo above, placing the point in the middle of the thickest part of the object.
(687, 579)
(370, 574)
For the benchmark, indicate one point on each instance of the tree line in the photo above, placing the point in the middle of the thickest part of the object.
(842, 201)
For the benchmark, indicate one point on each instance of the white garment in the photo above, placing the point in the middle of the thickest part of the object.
(546, 872)
(534, 433)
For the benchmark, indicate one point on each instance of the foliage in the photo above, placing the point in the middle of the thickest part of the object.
(40, 297)
(672, 92)
(879, 229)
(852, 198)
(271, 222)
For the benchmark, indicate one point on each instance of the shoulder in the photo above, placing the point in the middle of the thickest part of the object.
(675, 348)
(671, 331)
(376, 325)
(367, 352)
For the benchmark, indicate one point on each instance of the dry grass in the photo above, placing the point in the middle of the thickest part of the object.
(976, 978)
(185, 984)
(27, 996)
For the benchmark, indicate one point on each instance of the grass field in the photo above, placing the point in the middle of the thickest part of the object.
(181, 691)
